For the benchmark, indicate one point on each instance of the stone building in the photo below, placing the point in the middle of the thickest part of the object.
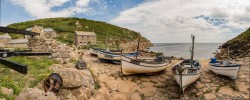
(5, 39)
(46, 33)
(84, 38)
(18, 43)
(49, 33)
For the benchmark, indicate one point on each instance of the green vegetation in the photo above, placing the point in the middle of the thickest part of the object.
(239, 44)
(65, 27)
(37, 71)
(245, 36)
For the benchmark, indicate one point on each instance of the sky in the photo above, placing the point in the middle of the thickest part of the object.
(160, 21)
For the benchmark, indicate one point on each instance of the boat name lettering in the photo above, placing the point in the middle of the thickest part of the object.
(108, 56)
(135, 62)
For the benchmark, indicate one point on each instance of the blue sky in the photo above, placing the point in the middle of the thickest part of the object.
(161, 21)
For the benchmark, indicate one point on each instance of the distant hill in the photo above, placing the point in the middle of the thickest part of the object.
(65, 27)
(240, 45)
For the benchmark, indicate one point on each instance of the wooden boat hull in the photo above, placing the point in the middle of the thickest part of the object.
(188, 75)
(132, 68)
(112, 57)
(186, 80)
(93, 52)
(231, 72)
(108, 57)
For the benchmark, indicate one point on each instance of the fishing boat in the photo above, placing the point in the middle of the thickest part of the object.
(187, 71)
(135, 65)
(94, 51)
(112, 56)
(225, 67)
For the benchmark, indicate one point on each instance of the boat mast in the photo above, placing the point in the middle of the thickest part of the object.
(192, 51)
(106, 47)
(228, 57)
(138, 45)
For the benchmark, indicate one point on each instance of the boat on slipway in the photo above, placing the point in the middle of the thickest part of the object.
(135, 65)
(113, 56)
(94, 51)
(187, 71)
(225, 67)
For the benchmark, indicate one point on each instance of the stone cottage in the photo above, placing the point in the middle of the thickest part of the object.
(5, 39)
(46, 33)
(84, 38)
(18, 43)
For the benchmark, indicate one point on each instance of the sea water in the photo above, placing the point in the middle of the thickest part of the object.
(201, 50)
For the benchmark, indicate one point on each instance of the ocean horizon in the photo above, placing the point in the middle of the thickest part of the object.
(201, 50)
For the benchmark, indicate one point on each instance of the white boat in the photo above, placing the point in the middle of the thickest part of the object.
(184, 74)
(94, 51)
(114, 57)
(225, 68)
(136, 66)
(188, 71)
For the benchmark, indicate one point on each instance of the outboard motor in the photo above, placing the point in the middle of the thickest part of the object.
(81, 64)
(160, 59)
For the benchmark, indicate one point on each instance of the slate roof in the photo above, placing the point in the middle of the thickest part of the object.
(85, 33)
(28, 29)
(48, 30)
(19, 41)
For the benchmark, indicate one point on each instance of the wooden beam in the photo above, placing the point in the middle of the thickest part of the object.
(17, 31)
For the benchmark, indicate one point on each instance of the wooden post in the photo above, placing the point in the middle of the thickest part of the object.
(192, 50)
(106, 47)
(228, 56)
(138, 45)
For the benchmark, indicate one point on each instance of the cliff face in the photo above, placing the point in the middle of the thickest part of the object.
(239, 46)
(130, 46)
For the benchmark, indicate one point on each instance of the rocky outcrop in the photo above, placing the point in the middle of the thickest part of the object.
(129, 46)
(239, 46)
(77, 85)
(35, 94)
(72, 78)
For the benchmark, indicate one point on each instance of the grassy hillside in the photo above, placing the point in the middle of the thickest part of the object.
(240, 44)
(245, 36)
(66, 27)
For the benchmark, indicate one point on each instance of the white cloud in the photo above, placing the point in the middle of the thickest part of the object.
(43, 8)
(174, 20)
